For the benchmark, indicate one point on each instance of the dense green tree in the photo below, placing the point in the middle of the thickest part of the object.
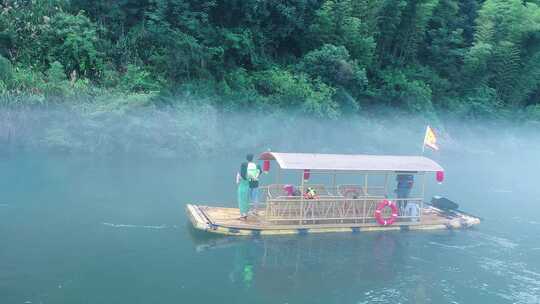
(22, 24)
(411, 29)
(277, 27)
(468, 11)
(137, 79)
(117, 16)
(334, 66)
(284, 88)
(399, 89)
(388, 22)
(506, 49)
(73, 40)
(336, 24)
(6, 72)
(444, 47)
(57, 82)
(323, 57)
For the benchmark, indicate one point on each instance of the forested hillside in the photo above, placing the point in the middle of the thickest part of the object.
(474, 58)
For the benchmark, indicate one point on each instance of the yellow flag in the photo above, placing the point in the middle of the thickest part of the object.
(430, 139)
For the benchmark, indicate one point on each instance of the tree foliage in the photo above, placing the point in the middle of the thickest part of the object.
(505, 52)
(336, 24)
(324, 57)
(6, 71)
(334, 66)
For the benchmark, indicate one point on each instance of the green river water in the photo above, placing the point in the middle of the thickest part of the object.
(83, 229)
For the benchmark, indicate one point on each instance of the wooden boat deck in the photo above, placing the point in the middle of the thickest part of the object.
(227, 221)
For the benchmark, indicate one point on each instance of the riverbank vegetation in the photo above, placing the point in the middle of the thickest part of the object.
(325, 58)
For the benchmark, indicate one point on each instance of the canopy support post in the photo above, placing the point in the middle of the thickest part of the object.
(334, 187)
(386, 184)
(366, 184)
(364, 215)
(302, 200)
(423, 196)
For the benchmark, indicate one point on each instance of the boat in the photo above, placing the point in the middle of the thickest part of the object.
(337, 193)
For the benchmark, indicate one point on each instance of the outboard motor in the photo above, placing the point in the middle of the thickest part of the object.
(443, 203)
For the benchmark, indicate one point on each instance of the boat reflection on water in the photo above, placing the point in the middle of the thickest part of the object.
(294, 265)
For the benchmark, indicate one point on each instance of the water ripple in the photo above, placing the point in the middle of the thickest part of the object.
(463, 247)
(163, 226)
(498, 241)
(525, 286)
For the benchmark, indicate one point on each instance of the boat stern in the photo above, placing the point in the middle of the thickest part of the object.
(462, 221)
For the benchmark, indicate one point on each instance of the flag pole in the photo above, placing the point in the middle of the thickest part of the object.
(424, 142)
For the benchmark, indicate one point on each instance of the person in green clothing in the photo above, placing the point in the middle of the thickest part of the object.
(243, 191)
(249, 174)
(253, 173)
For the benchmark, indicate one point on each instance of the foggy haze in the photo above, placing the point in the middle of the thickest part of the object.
(94, 200)
(187, 131)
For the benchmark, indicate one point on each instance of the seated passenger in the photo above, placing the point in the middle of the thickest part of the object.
(288, 189)
(291, 191)
(310, 193)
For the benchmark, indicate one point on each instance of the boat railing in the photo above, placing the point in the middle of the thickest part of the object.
(338, 209)
(274, 191)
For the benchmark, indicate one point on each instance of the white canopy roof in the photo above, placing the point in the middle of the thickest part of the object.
(345, 162)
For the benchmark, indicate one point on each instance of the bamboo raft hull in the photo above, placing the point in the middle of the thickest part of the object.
(226, 221)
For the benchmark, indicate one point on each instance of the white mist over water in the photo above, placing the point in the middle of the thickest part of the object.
(97, 201)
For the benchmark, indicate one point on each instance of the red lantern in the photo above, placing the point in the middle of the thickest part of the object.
(440, 176)
(306, 174)
(266, 165)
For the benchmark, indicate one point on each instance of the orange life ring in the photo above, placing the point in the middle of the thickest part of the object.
(378, 213)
